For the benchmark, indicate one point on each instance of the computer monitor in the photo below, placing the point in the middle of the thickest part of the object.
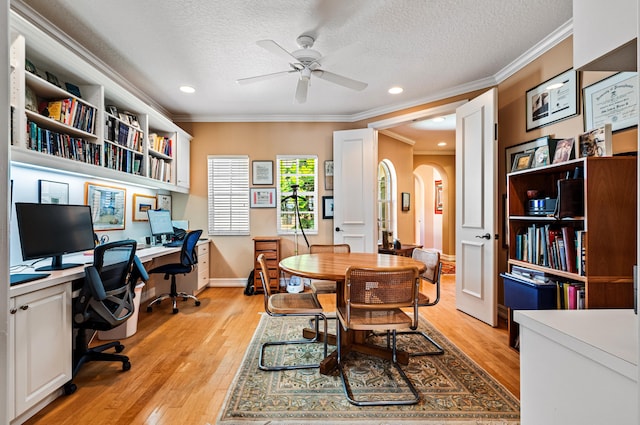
(160, 222)
(52, 230)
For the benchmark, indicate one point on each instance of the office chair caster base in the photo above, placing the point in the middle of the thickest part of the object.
(174, 311)
(119, 348)
(126, 366)
(197, 303)
(69, 388)
(149, 309)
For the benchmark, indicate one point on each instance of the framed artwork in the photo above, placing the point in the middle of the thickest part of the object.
(107, 206)
(564, 150)
(327, 207)
(262, 172)
(613, 100)
(53, 192)
(553, 100)
(263, 198)
(522, 161)
(328, 175)
(163, 202)
(405, 201)
(142, 203)
(595, 142)
(438, 197)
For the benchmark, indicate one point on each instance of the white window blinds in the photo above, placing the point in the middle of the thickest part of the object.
(228, 195)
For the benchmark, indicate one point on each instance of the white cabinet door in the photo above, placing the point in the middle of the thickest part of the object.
(203, 265)
(183, 158)
(42, 343)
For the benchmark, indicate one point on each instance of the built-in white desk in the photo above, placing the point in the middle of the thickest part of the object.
(578, 367)
(40, 326)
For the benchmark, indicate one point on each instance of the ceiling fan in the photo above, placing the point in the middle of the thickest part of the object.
(306, 62)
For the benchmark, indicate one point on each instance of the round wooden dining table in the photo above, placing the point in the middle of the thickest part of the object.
(333, 266)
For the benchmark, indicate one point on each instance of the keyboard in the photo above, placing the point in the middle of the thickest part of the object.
(173, 244)
(18, 278)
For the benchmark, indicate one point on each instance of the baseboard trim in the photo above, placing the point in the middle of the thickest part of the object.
(227, 283)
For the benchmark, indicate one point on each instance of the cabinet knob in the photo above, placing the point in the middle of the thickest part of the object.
(13, 311)
(338, 229)
(24, 307)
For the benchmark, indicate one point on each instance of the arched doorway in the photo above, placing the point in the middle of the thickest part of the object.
(429, 181)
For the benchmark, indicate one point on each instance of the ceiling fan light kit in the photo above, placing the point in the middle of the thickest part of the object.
(305, 61)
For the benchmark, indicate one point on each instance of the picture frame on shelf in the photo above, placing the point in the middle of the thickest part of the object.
(554, 100)
(73, 89)
(112, 110)
(50, 192)
(564, 151)
(141, 204)
(328, 175)
(108, 206)
(262, 197)
(262, 173)
(53, 79)
(406, 201)
(522, 161)
(613, 100)
(327, 207)
(530, 146)
(29, 66)
(597, 142)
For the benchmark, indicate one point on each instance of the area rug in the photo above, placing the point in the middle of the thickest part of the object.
(453, 389)
(448, 267)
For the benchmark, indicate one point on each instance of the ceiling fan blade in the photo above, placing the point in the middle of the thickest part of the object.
(340, 80)
(302, 89)
(277, 49)
(257, 78)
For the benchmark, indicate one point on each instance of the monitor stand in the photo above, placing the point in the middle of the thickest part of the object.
(57, 264)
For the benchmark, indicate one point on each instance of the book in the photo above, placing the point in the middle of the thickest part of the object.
(569, 237)
(55, 109)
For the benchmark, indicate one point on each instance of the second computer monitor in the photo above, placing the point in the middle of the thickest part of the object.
(160, 222)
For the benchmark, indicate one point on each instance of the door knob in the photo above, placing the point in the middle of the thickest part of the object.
(486, 236)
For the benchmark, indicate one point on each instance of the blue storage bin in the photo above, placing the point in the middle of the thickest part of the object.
(523, 295)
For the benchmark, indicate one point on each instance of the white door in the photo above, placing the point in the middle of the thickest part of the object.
(355, 165)
(476, 212)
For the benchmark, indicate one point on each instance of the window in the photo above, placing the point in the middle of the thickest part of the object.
(301, 171)
(228, 195)
(386, 196)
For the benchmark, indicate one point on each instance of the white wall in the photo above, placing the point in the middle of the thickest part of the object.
(25, 189)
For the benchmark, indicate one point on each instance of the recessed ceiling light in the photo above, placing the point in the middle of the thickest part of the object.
(438, 119)
(396, 90)
(187, 89)
(442, 143)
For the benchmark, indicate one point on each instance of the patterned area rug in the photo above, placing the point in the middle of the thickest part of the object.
(448, 267)
(453, 389)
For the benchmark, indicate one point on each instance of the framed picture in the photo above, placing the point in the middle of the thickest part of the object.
(328, 175)
(53, 79)
(73, 89)
(522, 161)
(262, 172)
(163, 202)
(107, 206)
(327, 207)
(53, 192)
(263, 198)
(553, 100)
(564, 150)
(142, 203)
(405, 201)
(529, 146)
(595, 142)
(438, 197)
(613, 100)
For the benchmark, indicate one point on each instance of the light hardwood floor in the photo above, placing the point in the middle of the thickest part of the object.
(182, 365)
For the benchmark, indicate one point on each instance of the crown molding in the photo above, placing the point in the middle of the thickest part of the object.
(398, 137)
(262, 118)
(435, 153)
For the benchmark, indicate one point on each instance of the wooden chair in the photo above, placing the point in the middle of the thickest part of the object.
(372, 301)
(431, 259)
(286, 304)
(326, 286)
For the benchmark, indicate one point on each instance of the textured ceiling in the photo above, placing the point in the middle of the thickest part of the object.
(429, 47)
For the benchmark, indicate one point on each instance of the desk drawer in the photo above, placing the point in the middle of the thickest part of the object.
(266, 246)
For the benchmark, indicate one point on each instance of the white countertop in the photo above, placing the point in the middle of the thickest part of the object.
(609, 337)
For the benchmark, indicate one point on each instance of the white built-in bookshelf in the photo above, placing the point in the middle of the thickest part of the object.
(67, 115)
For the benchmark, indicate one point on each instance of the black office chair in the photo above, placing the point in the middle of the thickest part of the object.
(188, 261)
(105, 302)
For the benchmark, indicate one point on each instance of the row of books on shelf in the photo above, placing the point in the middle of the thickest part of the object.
(159, 143)
(560, 248)
(569, 295)
(122, 160)
(160, 169)
(63, 145)
(118, 132)
(71, 112)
